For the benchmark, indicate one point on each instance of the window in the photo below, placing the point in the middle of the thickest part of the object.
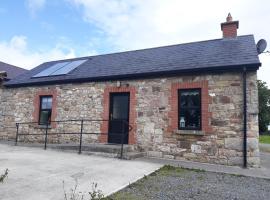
(45, 111)
(189, 109)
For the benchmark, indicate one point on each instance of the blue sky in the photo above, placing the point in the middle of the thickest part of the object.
(35, 31)
(53, 22)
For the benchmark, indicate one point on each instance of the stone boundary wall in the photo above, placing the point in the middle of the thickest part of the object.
(220, 142)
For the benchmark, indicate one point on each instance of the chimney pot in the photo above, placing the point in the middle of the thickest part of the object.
(229, 28)
(229, 18)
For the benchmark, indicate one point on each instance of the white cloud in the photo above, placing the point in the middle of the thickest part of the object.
(135, 24)
(154, 22)
(34, 6)
(264, 71)
(17, 52)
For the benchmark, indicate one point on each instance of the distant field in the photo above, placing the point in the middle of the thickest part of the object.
(265, 139)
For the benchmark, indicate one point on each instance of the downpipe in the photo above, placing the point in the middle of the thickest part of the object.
(245, 117)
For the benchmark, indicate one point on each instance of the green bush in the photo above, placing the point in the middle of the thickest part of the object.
(264, 106)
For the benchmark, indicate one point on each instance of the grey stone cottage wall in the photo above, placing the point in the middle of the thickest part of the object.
(223, 144)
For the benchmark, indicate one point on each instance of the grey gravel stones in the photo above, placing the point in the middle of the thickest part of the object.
(176, 183)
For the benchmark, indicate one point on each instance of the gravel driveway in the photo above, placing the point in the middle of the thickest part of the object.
(177, 183)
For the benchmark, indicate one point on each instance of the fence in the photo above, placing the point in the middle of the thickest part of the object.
(45, 130)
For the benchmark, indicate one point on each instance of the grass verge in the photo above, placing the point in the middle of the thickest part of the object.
(265, 139)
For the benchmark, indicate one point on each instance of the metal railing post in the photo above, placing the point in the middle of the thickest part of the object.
(17, 133)
(80, 148)
(46, 136)
(122, 139)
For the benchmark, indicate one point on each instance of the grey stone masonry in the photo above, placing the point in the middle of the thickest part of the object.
(223, 144)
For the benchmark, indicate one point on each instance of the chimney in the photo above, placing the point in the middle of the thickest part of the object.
(3, 76)
(229, 28)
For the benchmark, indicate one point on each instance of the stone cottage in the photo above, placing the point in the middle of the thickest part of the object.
(195, 101)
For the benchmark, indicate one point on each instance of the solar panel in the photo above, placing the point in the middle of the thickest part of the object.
(50, 70)
(60, 68)
(69, 67)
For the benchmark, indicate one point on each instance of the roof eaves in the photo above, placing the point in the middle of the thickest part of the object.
(251, 67)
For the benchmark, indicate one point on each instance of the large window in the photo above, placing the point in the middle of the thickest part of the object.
(189, 109)
(45, 111)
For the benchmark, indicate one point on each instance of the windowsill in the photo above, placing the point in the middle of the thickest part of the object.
(43, 126)
(189, 132)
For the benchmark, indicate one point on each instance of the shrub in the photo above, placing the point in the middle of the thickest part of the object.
(94, 194)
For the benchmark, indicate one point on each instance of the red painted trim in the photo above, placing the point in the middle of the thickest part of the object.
(53, 93)
(132, 112)
(173, 101)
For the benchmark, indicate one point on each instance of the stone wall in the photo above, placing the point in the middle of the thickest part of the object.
(220, 142)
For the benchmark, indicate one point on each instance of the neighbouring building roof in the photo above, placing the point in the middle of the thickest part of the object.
(11, 70)
(205, 56)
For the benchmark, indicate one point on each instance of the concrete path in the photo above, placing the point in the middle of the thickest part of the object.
(36, 174)
(262, 172)
(264, 147)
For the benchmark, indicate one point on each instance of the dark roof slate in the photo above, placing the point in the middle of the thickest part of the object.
(189, 57)
(11, 70)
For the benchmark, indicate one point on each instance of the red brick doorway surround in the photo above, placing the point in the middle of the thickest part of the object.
(132, 113)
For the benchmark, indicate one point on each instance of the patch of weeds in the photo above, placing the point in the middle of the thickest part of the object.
(3, 176)
(95, 194)
(74, 194)
(122, 196)
(145, 177)
(200, 177)
(153, 173)
(169, 170)
(237, 175)
(197, 170)
(138, 184)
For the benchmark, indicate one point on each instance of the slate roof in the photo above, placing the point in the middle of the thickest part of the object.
(226, 54)
(11, 70)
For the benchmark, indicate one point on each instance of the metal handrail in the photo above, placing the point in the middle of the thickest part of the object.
(82, 123)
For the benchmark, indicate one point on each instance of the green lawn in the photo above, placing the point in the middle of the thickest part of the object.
(265, 139)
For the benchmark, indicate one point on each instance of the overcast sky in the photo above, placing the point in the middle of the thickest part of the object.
(35, 31)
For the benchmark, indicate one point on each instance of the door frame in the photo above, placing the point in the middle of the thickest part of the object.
(111, 94)
(104, 127)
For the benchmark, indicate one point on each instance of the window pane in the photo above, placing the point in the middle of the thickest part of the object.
(190, 98)
(120, 107)
(190, 118)
(189, 109)
(45, 116)
(49, 103)
(46, 102)
(43, 103)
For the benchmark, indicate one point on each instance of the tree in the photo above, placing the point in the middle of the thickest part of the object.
(264, 106)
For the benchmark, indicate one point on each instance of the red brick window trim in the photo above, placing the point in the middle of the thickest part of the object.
(36, 112)
(205, 101)
(132, 112)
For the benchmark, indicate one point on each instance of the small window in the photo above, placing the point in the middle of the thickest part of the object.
(45, 111)
(189, 109)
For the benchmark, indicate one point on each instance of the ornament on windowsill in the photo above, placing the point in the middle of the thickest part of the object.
(182, 122)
